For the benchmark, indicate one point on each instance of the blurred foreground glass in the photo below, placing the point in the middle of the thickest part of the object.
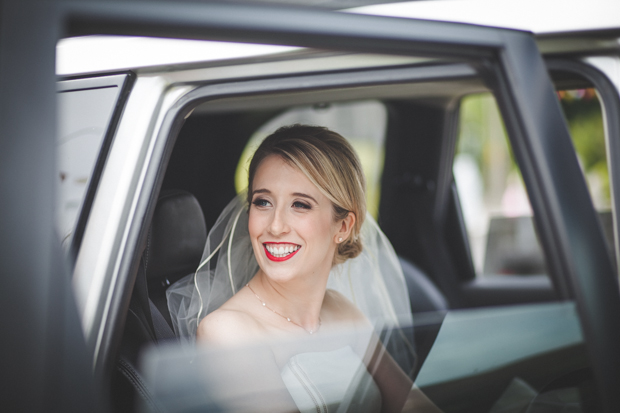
(484, 360)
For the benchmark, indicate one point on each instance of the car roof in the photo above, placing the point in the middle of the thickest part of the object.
(537, 16)
(100, 54)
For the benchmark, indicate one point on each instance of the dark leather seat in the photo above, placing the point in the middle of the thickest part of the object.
(423, 294)
(429, 307)
(175, 244)
(173, 249)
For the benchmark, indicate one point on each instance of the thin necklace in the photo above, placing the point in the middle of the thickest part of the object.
(286, 318)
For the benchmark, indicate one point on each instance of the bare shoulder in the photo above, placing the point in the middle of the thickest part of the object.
(343, 309)
(227, 326)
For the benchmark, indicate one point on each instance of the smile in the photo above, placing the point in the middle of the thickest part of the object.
(280, 251)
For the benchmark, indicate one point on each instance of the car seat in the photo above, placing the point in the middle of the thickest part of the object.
(174, 246)
(428, 306)
(424, 296)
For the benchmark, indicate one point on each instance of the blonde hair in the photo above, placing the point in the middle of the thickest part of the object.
(330, 163)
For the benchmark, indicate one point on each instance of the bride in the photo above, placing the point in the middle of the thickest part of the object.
(305, 220)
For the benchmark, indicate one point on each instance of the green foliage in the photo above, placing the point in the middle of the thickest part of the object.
(585, 122)
(483, 136)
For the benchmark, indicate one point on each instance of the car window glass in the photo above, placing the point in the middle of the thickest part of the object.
(82, 123)
(530, 357)
(584, 116)
(362, 123)
(495, 205)
(522, 364)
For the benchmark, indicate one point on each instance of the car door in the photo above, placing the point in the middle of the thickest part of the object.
(36, 283)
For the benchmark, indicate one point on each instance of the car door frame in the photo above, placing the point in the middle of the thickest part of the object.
(610, 107)
(570, 233)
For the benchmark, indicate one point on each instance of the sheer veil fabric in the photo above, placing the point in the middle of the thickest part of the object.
(373, 281)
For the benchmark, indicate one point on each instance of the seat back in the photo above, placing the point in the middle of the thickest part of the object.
(174, 246)
(428, 306)
(423, 294)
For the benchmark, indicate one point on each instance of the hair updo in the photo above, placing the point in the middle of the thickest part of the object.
(330, 163)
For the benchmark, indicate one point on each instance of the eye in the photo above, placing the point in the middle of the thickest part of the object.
(260, 202)
(302, 205)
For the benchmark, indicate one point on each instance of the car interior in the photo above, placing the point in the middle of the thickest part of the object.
(418, 206)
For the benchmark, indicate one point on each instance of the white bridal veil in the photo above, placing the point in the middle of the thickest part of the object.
(373, 281)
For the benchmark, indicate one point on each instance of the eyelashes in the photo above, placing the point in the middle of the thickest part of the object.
(260, 202)
(298, 204)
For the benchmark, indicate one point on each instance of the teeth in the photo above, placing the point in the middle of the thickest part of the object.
(280, 252)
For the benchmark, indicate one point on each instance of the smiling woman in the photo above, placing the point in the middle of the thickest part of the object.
(298, 221)
(283, 277)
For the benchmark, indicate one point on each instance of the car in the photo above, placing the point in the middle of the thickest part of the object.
(150, 106)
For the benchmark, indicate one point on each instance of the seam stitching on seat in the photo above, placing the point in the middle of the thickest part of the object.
(148, 250)
(132, 375)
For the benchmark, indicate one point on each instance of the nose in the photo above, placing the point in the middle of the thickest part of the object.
(279, 224)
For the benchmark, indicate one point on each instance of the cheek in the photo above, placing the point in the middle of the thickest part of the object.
(321, 233)
(255, 225)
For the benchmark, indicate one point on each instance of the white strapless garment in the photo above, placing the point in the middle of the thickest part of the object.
(331, 381)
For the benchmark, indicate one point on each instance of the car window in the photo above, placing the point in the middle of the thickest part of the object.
(495, 205)
(584, 116)
(510, 358)
(362, 123)
(85, 108)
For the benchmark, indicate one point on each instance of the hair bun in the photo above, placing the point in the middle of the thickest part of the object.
(351, 248)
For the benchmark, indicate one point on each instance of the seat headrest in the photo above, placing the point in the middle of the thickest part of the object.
(176, 238)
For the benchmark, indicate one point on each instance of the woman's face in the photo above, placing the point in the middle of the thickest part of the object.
(291, 223)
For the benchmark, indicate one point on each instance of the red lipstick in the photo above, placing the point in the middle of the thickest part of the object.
(279, 259)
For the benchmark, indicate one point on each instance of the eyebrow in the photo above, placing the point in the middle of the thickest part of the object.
(261, 191)
(302, 195)
(299, 194)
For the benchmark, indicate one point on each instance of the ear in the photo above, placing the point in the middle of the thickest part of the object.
(344, 228)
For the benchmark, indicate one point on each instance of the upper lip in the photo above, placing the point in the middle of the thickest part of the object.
(270, 242)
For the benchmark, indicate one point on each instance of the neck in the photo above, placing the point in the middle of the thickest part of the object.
(298, 300)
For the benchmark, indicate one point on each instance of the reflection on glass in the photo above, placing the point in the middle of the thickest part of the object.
(83, 119)
(342, 369)
(483, 360)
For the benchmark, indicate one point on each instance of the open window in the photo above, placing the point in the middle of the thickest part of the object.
(417, 135)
